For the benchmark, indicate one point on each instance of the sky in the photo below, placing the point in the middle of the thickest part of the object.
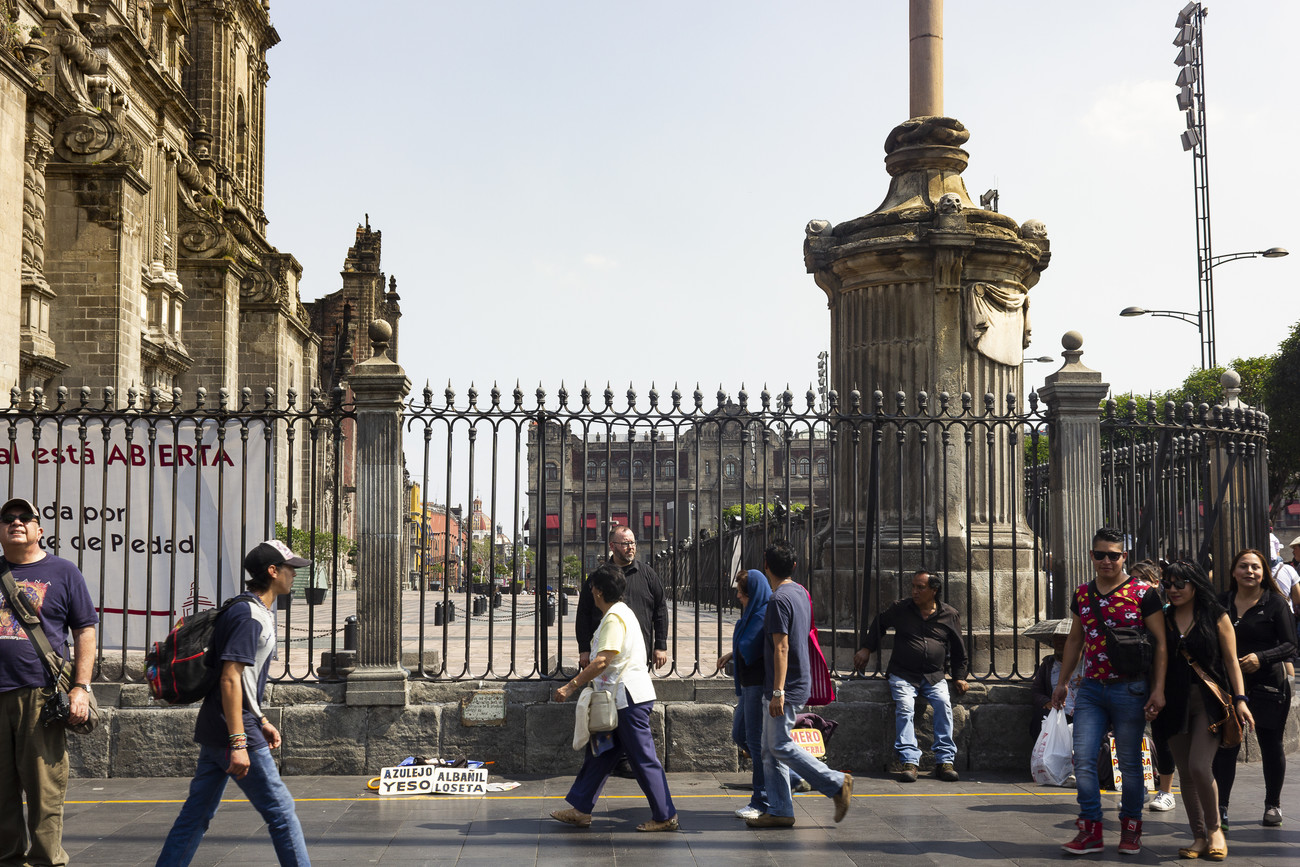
(601, 192)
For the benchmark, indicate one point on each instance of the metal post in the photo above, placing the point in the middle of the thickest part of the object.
(379, 387)
(1073, 394)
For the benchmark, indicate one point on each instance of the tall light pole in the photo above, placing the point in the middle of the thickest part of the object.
(1191, 99)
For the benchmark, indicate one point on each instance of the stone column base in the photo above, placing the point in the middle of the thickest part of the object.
(375, 686)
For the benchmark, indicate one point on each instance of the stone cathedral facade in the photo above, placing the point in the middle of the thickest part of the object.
(133, 248)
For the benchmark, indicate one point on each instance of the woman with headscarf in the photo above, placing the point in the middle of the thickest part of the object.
(618, 665)
(1199, 636)
(747, 641)
(1262, 622)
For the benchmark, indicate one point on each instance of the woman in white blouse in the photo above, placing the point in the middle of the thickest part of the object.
(619, 666)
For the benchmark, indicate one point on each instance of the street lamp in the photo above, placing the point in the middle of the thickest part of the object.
(1043, 359)
(1203, 318)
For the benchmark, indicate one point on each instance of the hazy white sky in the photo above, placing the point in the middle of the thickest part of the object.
(593, 191)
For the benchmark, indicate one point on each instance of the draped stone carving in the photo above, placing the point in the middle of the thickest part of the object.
(997, 321)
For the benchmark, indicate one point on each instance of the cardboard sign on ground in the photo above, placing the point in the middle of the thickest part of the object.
(432, 780)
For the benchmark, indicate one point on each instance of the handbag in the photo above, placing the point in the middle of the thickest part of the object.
(823, 688)
(1129, 647)
(1229, 728)
(602, 711)
(58, 670)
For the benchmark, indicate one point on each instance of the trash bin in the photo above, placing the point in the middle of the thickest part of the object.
(350, 632)
(564, 604)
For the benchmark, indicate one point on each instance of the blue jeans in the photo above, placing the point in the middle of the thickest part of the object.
(905, 711)
(782, 755)
(1115, 707)
(748, 732)
(264, 790)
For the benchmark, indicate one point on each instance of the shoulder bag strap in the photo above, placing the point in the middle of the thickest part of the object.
(31, 621)
(1219, 692)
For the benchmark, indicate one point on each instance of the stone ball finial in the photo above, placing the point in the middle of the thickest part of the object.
(1230, 379)
(817, 228)
(1072, 341)
(380, 333)
(1033, 230)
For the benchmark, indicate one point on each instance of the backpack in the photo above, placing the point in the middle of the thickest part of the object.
(177, 668)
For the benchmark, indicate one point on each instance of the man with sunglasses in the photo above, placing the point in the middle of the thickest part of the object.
(33, 758)
(1106, 700)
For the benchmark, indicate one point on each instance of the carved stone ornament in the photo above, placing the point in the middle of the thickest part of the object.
(1033, 230)
(260, 286)
(202, 239)
(85, 138)
(949, 203)
(817, 228)
(997, 321)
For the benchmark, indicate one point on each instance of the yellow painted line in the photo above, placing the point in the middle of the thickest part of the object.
(636, 797)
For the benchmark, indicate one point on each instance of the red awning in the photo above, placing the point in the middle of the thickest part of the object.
(552, 522)
(1293, 508)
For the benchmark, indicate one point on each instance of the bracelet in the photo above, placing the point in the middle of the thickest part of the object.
(233, 747)
(1237, 698)
(239, 741)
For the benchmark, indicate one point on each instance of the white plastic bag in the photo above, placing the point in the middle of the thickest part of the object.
(1053, 757)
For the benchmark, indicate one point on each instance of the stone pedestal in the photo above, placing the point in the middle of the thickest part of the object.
(379, 386)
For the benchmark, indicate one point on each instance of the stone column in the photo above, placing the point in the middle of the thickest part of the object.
(1073, 395)
(925, 58)
(379, 387)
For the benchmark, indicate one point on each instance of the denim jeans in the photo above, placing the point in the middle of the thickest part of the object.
(1115, 707)
(905, 711)
(264, 790)
(782, 755)
(750, 713)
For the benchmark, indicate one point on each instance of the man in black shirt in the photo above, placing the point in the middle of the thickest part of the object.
(927, 633)
(644, 595)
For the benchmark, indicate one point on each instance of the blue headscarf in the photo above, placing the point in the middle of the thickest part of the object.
(747, 640)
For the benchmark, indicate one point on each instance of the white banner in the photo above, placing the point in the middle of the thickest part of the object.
(133, 513)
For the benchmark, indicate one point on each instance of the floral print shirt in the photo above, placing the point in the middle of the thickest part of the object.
(1129, 604)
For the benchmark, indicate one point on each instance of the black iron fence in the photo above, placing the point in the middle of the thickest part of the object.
(508, 506)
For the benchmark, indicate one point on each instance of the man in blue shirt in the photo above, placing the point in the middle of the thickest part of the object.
(235, 738)
(787, 683)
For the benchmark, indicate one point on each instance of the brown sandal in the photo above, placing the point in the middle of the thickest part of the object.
(572, 817)
(666, 825)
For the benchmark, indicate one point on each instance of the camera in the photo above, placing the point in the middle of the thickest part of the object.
(57, 709)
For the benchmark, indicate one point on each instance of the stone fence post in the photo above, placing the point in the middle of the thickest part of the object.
(379, 387)
(1073, 395)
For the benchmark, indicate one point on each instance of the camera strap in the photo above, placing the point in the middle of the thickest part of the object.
(30, 618)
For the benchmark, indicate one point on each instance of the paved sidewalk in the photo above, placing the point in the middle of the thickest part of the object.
(983, 819)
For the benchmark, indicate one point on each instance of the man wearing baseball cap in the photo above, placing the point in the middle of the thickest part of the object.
(234, 736)
(34, 758)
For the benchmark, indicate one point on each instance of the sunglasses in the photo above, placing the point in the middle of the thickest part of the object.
(1112, 556)
(1175, 583)
(20, 517)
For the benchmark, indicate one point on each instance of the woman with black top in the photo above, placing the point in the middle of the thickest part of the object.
(1265, 631)
(1197, 630)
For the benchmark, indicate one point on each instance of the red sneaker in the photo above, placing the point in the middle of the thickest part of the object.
(1087, 841)
(1130, 836)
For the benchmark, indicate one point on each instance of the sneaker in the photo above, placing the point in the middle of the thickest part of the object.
(765, 820)
(1163, 802)
(1223, 821)
(1272, 817)
(800, 787)
(907, 774)
(844, 797)
(946, 772)
(1070, 782)
(1130, 836)
(1087, 841)
(748, 812)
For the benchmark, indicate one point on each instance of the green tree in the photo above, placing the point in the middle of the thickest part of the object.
(754, 512)
(1280, 398)
(571, 570)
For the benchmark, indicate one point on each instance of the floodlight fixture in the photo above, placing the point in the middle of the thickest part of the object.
(1186, 76)
(1185, 55)
(1185, 98)
(1191, 140)
(1191, 119)
(1186, 34)
(1186, 14)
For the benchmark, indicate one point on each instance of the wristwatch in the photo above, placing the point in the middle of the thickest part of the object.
(777, 692)
(84, 686)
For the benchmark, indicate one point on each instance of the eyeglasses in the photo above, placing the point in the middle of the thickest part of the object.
(1175, 583)
(20, 517)
(1112, 556)
(625, 544)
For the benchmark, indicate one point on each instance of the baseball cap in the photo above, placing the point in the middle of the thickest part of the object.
(19, 504)
(272, 552)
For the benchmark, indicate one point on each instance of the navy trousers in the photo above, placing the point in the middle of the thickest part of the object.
(633, 739)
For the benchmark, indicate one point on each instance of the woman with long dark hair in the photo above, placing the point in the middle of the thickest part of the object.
(1265, 632)
(1198, 634)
